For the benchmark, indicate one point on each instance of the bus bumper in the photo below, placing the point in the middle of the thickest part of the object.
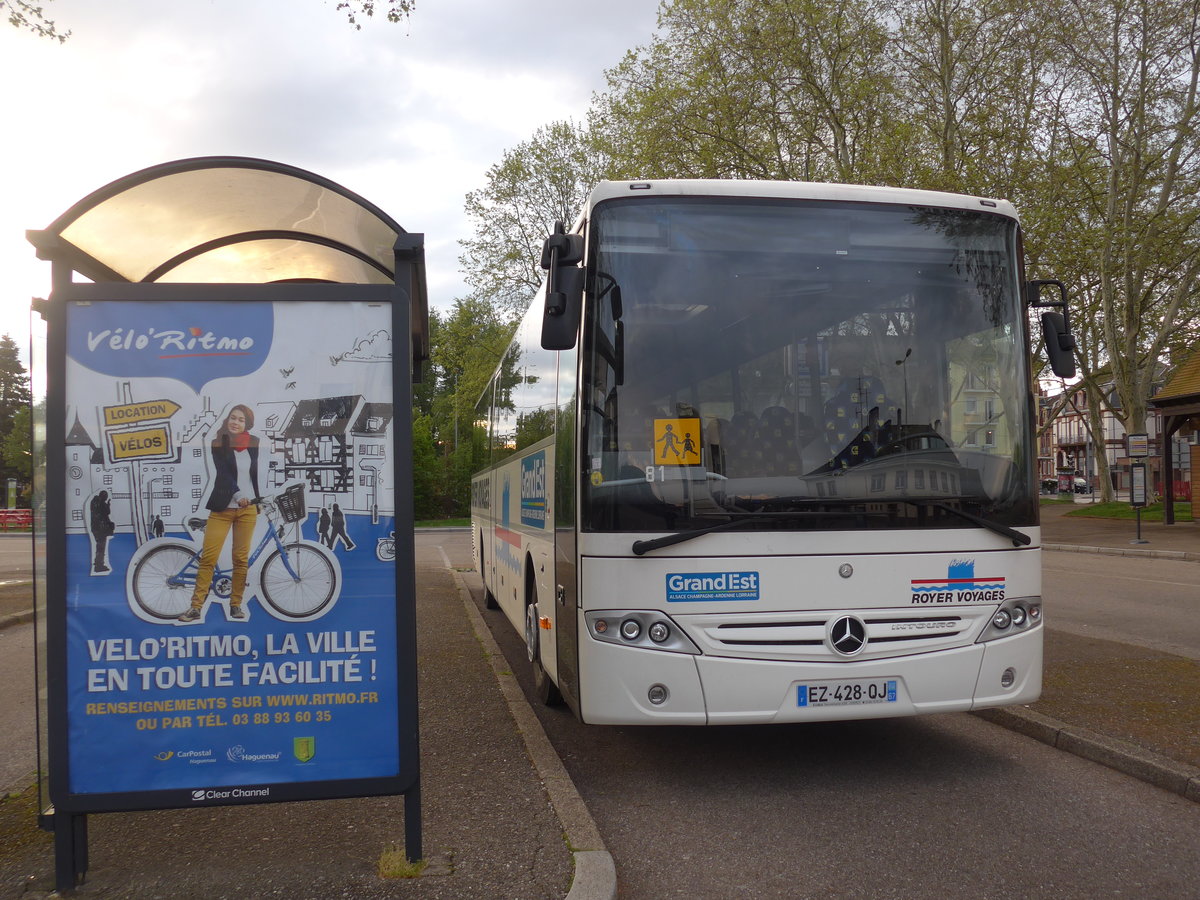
(618, 683)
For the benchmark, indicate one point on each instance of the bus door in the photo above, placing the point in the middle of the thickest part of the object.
(566, 550)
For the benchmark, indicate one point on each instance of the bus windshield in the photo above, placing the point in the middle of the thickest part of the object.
(803, 365)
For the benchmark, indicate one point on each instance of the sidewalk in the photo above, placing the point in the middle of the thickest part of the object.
(1115, 536)
(498, 819)
(1150, 728)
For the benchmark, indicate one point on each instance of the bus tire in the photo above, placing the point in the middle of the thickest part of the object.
(489, 599)
(544, 688)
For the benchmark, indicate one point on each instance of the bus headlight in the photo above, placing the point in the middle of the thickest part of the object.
(1013, 617)
(643, 629)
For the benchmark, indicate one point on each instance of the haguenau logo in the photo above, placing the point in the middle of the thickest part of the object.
(191, 342)
(238, 753)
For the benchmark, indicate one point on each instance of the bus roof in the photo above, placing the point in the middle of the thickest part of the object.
(795, 190)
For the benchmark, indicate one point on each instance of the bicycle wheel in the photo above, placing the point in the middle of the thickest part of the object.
(306, 594)
(159, 586)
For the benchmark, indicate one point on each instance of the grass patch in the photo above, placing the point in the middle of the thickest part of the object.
(1057, 499)
(394, 864)
(443, 523)
(1123, 510)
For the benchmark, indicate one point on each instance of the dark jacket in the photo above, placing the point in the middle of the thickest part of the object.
(225, 462)
(101, 523)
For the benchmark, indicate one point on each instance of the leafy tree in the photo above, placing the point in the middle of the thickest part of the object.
(464, 346)
(428, 474)
(1083, 112)
(537, 183)
(1134, 69)
(976, 79)
(15, 398)
(31, 17)
(16, 457)
(393, 10)
(791, 89)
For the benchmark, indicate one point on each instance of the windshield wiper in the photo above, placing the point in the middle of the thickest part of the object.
(642, 547)
(1017, 537)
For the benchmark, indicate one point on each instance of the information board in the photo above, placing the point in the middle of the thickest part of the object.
(1137, 491)
(231, 620)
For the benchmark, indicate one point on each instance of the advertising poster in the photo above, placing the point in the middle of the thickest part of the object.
(230, 545)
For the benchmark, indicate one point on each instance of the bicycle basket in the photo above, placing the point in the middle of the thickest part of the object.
(291, 503)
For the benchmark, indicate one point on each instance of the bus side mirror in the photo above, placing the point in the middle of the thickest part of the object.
(1060, 344)
(560, 322)
(1056, 327)
(564, 289)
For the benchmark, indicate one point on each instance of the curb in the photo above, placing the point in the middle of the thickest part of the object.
(1129, 759)
(16, 618)
(595, 872)
(1185, 555)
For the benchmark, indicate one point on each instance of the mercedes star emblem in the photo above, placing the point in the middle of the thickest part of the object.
(848, 635)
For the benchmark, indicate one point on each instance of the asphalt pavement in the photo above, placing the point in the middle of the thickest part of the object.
(502, 818)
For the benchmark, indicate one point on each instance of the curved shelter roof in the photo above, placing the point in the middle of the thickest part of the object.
(224, 219)
(233, 220)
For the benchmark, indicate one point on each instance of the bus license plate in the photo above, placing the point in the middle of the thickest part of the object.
(846, 693)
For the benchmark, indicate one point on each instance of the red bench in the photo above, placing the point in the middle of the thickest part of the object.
(15, 518)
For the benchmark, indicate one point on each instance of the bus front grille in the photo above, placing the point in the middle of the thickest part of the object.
(806, 637)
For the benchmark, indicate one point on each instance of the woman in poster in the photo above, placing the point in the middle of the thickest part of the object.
(231, 508)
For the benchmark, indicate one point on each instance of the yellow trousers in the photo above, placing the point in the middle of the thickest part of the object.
(241, 522)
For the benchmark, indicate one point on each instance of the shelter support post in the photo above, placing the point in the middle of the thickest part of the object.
(1172, 425)
(70, 850)
(412, 822)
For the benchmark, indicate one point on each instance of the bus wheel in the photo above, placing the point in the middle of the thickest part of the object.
(489, 599)
(543, 688)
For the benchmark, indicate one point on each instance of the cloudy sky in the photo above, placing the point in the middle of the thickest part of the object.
(410, 116)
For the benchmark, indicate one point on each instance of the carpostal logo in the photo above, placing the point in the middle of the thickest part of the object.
(193, 757)
(202, 794)
(693, 587)
(961, 585)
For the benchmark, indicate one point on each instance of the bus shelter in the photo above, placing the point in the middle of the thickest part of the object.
(1179, 404)
(224, 578)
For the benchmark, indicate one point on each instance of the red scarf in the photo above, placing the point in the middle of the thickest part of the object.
(240, 441)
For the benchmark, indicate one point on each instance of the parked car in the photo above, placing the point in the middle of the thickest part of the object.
(1049, 485)
(1082, 486)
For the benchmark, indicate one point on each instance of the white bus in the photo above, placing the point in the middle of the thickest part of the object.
(763, 452)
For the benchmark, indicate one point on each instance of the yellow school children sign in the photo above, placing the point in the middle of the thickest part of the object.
(676, 442)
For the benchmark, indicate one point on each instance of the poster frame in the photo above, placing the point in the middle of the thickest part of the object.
(406, 780)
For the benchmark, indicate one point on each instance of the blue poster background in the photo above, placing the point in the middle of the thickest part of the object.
(157, 704)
